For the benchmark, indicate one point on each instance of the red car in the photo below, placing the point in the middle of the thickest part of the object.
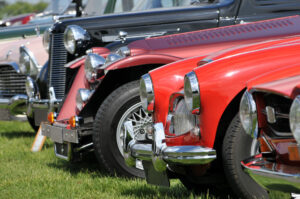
(269, 112)
(104, 93)
(196, 131)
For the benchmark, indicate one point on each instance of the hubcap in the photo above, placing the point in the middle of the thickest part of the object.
(140, 119)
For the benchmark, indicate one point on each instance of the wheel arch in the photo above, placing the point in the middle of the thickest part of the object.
(113, 80)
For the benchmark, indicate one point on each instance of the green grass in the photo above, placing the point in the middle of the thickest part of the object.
(24, 174)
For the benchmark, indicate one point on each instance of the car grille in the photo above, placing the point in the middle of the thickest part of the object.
(11, 83)
(281, 106)
(57, 71)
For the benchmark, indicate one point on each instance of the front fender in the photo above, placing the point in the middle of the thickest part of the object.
(144, 59)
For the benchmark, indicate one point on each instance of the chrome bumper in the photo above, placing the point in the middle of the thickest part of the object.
(13, 108)
(273, 176)
(160, 154)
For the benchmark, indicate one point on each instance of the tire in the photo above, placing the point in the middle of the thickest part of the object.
(108, 128)
(237, 147)
(32, 124)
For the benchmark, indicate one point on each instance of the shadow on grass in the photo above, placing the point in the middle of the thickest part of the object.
(15, 134)
(88, 164)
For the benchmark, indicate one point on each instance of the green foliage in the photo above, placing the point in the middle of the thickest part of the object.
(21, 8)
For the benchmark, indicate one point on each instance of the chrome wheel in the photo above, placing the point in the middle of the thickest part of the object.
(139, 119)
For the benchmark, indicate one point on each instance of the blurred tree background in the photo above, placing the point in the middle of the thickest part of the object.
(7, 10)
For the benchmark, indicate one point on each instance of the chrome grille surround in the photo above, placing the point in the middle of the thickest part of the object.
(57, 71)
(11, 82)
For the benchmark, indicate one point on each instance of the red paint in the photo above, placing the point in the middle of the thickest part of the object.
(220, 81)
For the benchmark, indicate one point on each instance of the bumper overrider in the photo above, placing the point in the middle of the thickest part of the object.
(272, 175)
(161, 155)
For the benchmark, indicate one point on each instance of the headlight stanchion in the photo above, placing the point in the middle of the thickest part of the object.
(294, 118)
(146, 92)
(248, 115)
(192, 93)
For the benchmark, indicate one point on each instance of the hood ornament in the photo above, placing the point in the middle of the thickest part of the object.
(123, 35)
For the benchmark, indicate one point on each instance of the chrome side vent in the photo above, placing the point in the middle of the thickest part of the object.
(57, 71)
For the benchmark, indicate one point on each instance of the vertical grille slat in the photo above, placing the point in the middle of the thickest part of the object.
(57, 71)
(11, 83)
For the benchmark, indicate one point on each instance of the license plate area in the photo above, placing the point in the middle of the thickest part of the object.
(154, 177)
(63, 151)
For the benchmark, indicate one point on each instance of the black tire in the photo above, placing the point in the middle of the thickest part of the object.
(105, 130)
(237, 147)
(32, 124)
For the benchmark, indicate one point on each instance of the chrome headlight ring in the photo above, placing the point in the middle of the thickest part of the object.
(28, 63)
(31, 87)
(294, 118)
(75, 38)
(46, 39)
(92, 65)
(248, 115)
(83, 95)
(146, 91)
(192, 93)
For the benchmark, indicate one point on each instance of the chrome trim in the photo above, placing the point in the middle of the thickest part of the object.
(13, 108)
(253, 129)
(36, 67)
(271, 116)
(161, 155)
(271, 175)
(192, 93)
(93, 63)
(293, 116)
(146, 91)
(69, 155)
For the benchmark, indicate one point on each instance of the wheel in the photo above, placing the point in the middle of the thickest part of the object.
(120, 106)
(32, 124)
(237, 146)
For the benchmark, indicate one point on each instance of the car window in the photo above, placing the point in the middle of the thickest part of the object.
(57, 6)
(154, 4)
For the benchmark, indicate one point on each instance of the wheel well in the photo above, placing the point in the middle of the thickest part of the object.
(113, 80)
(229, 113)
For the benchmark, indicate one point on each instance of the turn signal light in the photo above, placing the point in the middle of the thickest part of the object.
(52, 117)
(72, 121)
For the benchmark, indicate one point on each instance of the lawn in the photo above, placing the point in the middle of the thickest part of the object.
(24, 174)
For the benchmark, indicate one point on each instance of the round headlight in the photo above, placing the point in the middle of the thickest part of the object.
(75, 37)
(192, 92)
(295, 119)
(30, 87)
(46, 40)
(92, 64)
(82, 97)
(146, 91)
(248, 115)
(27, 63)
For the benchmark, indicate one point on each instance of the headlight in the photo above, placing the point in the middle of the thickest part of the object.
(181, 121)
(248, 115)
(192, 92)
(295, 118)
(28, 64)
(92, 64)
(75, 37)
(82, 97)
(146, 91)
(31, 89)
(46, 40)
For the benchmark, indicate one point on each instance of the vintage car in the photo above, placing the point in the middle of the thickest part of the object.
(104, 93)
(71, 38)
(16, 20)
(18, 64)
(269, 112)
(196, 130)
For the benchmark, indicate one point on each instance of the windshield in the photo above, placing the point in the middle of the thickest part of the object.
(57, 7)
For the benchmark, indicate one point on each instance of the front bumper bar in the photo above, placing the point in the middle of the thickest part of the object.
(272, 175)
(160, 154)
(13, 108)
